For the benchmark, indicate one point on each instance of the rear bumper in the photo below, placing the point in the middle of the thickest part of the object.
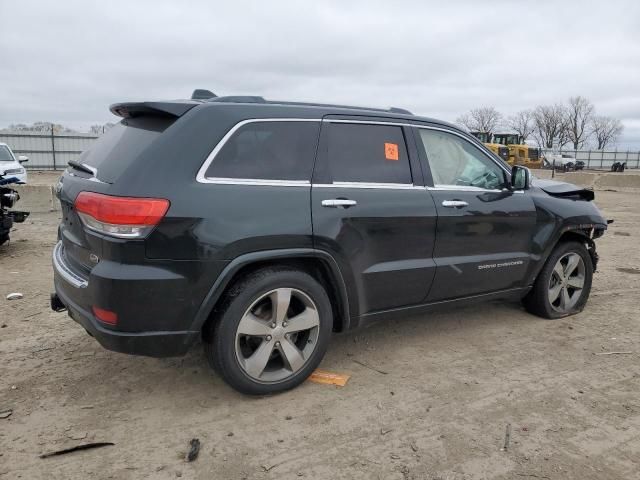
(152, 344)
(151, 319)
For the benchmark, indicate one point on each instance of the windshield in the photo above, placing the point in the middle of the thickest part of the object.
(483, 137)
(5, 154)
(507, 139)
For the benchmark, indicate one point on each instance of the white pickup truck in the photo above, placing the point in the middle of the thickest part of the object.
(563, 161)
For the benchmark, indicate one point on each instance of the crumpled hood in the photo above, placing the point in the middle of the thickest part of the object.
(563, 189)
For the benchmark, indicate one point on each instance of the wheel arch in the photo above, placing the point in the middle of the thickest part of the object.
(319, 264)
(577, 233)
(581, 235)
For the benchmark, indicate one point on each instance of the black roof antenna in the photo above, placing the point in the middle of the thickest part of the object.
(202, 94)
(400, 110)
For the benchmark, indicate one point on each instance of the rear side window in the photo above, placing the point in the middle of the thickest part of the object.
(367, 154)
(268, 151)
(117, 149)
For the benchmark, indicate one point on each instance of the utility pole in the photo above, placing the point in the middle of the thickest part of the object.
(53, 147)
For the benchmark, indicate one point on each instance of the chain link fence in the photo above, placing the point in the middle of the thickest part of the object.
(598, 159)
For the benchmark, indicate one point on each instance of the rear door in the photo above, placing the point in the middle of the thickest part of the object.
(372, 213)
(484, 231)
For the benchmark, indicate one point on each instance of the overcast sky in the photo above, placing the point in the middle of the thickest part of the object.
(66, 61)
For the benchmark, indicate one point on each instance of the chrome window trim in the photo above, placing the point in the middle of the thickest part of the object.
(463, 188)
(389, 186)
(257, 182)
(470, 188)
(202, 178)
(368, 122)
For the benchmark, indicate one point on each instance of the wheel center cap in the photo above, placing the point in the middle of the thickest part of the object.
(278, 333)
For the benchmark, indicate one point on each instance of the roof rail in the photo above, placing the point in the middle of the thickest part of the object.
(239, 99)
(202, 94)
(208, 96)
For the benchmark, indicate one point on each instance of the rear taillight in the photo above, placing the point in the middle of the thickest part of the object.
(123, 217)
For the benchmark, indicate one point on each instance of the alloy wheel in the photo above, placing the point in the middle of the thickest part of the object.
(277, 335)
(566, 283)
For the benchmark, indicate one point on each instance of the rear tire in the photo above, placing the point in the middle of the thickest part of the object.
(564, 283)
(270, 332)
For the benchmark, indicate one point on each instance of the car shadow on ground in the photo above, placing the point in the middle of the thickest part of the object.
(384, 346)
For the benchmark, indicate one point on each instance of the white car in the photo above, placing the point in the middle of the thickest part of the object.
(10, 166)
(561, 160)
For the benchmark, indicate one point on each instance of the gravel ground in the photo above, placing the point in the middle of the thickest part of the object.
(449, 386)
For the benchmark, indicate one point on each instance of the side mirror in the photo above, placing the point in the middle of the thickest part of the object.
(22, 159)
(520, 178)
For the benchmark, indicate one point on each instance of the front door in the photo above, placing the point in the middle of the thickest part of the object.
(372, 213)
(484, 231)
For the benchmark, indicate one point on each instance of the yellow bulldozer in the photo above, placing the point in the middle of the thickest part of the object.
(486, 137)
(519, 152)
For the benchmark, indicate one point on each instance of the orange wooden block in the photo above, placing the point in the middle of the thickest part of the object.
(329, 378)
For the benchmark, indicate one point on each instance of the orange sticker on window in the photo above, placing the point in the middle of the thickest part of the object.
(391, 151)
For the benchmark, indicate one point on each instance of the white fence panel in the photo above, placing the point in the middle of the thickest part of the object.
(47, 151)
(51, 152)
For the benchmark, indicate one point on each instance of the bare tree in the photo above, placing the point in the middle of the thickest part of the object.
(483, 119)
(522, 123)
(100, 129)
(549, 125)
(579, 113)
(41, 127)
(606, 130)
(564, 134)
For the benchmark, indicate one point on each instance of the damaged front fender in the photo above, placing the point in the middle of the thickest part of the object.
(564, 189)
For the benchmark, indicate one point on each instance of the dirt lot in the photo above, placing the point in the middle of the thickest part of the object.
(448, 386)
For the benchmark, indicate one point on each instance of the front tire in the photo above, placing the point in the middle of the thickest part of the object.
(563, 286)
(271, 331)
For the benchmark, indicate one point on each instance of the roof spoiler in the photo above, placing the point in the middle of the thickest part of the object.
(158, 109)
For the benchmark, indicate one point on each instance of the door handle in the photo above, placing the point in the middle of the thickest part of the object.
(454, 203)
(338, 203)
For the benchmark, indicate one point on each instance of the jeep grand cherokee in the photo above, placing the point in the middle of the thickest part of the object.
(261, 227)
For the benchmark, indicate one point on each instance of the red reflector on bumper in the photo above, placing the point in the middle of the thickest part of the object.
(105, 316)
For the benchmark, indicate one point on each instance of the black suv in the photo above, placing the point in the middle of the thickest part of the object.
(261, 227)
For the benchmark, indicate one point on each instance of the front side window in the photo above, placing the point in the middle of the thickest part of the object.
(268, 151)
(367, 154)
(456, 162)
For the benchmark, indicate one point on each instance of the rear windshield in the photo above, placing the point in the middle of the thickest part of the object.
(114, 152)
(5, 154)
